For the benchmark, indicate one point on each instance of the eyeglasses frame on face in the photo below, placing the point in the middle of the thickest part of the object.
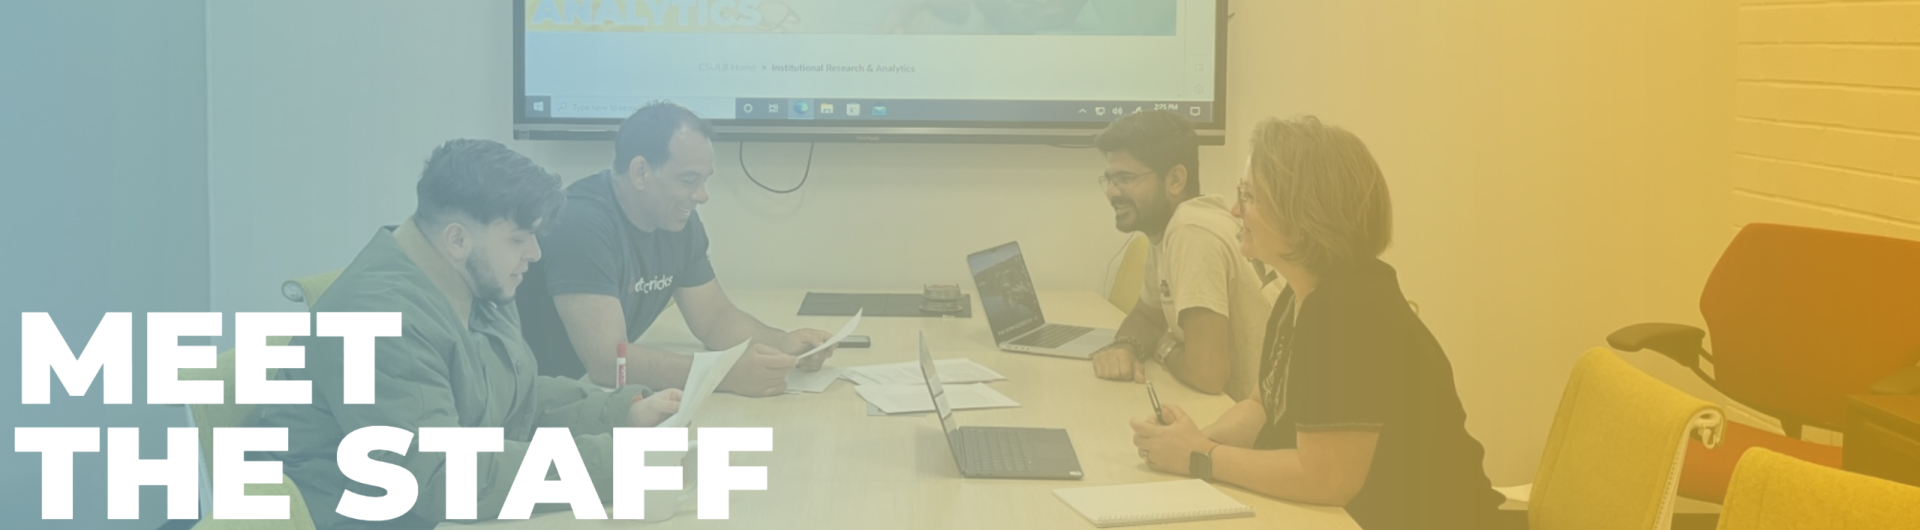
(1106, 180)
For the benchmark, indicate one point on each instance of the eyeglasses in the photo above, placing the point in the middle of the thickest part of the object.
(1121, 180)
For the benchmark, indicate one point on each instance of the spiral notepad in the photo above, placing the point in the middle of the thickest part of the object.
(1152, 503)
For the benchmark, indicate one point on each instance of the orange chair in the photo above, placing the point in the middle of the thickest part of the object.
(1800, 318)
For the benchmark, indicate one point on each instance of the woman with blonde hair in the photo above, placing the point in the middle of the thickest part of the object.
(1356, 405)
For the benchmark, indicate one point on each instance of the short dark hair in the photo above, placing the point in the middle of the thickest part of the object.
(487, 181)
(645, 134)
(1160, 139)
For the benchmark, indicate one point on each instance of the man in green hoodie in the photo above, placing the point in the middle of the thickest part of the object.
(451, 271)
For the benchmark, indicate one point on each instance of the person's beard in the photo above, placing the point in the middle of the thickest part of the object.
(486, 286)
(1150, 216)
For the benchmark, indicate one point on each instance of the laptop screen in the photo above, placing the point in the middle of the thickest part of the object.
(948, 427)
(932, 374)
(1006, 292)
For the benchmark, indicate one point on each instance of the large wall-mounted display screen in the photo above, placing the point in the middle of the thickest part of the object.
(871, 65)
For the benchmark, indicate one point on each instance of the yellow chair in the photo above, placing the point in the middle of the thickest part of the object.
(1124, 292)
(1771, 491)
(1613, 457)
(229, 414)
(306, 289)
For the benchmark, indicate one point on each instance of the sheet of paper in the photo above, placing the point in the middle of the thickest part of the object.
(895, 399)
(875, 411)
(708, 369)
(908, 373)
(857, 378)
(837, 337)
(816, 382)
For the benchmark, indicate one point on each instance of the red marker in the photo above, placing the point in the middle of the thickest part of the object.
(620, 367)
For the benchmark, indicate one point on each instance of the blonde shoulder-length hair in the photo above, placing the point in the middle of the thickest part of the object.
(1319, 187)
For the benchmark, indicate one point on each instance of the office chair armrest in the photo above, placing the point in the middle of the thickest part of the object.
(1901, 383)
(1679, 342)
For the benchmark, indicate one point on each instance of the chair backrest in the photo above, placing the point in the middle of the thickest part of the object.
(1802, 317)
(1124, 292)
(230, 414)
(1614, 454)
(1771, 491)
(307, 289)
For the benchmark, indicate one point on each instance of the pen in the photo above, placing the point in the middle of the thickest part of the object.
(620, 366)
(1154, 397)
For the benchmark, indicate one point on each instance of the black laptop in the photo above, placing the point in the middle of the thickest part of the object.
(1000, 452)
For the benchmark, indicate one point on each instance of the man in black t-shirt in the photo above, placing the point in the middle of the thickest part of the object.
(627, 242)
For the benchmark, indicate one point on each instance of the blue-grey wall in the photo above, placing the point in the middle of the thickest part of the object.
(103, 152)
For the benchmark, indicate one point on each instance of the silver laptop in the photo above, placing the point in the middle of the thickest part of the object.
(1013, 309)
(1000, 452)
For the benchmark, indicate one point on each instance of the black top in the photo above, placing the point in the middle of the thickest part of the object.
(594, 249)
(1357, 358)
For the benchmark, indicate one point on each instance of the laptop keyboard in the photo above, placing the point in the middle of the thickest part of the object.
(996, 450)
(1051, 336)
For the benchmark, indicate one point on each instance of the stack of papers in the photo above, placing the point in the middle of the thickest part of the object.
(815, 382)
(908, 373)
(899, 399)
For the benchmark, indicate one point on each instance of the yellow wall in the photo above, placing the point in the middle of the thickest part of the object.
(1827, 126)
(1559, 169)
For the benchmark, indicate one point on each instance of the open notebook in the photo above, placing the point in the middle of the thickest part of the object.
(1152, 503)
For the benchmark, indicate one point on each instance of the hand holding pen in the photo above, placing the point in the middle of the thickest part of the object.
(1154, 398)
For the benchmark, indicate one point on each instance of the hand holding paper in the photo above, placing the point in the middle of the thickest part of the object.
(654, 409)
(708, 369)
(846, 330)
(761, 371)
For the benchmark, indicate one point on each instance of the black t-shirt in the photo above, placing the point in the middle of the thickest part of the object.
(1357, 358)
(593, 249)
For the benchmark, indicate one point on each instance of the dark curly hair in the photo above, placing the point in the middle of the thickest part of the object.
(487, 181)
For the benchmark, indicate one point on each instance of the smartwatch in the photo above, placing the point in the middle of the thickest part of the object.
(1169, 346)
(1200, 464)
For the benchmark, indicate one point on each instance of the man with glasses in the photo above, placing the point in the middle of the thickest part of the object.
(1203, 309)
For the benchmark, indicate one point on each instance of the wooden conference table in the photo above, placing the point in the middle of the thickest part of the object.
(833, 466)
